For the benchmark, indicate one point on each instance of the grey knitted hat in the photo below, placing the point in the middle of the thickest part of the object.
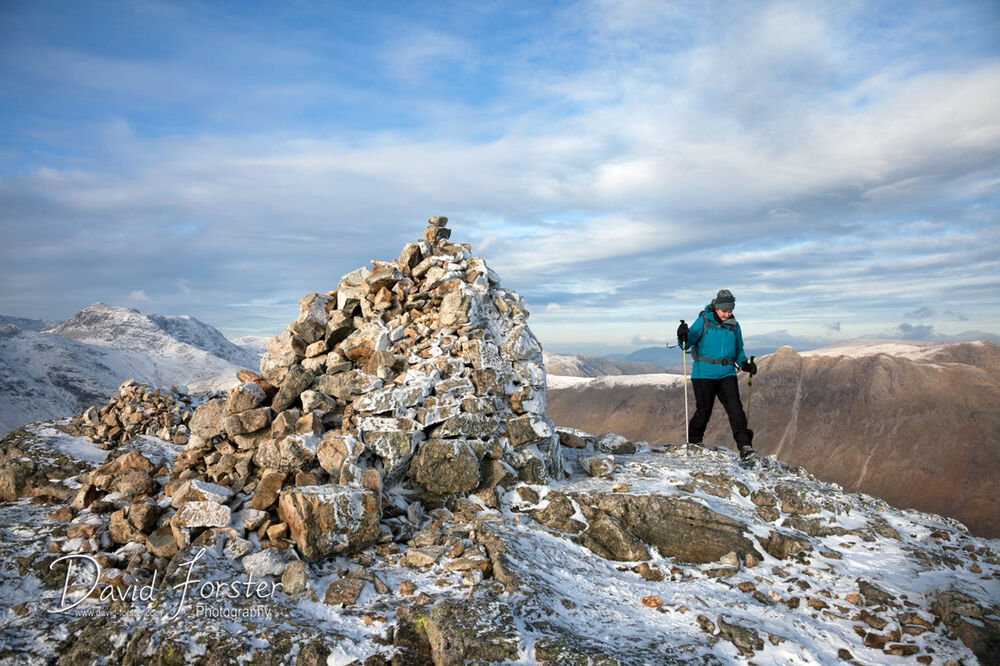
(724, 301)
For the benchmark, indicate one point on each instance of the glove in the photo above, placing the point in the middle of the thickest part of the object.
(682, 334)
(749, 366)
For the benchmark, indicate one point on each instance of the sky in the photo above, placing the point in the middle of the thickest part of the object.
(836, 165)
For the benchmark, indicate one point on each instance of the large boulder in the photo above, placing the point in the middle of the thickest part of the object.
(330, 520)
(447, 466)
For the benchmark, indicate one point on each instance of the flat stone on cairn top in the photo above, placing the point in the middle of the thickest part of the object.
(436, 231)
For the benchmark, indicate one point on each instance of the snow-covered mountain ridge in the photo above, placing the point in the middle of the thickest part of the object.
(53, 371)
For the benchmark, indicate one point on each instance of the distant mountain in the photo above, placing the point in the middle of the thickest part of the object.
(256, 344)
(27, 324)
(127, 328)
(57, 372)
(915, 423)
(582, 365)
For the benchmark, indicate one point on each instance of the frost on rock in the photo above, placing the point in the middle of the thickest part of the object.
(328, 520)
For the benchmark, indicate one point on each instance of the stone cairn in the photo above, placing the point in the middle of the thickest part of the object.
(413, 384)
(138, 410)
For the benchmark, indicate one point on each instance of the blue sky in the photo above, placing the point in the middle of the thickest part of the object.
(835, 165)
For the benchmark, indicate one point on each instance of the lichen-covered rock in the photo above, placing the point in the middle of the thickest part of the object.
(446, 466)
(202, 514)
(330, 520)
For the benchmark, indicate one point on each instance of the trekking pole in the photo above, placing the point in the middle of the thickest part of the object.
(749, 394)
(687, 423)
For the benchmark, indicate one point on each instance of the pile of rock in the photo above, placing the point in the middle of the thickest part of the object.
(416, 381)
(139, 410)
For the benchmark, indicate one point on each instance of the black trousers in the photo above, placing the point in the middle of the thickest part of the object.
(728, 391)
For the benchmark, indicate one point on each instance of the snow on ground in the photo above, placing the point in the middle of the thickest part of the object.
(571, 594)
(909, 349)
(613, 381)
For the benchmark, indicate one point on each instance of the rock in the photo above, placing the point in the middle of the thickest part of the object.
(435, 234)
(105, 475)
(609, 442)
(347, 385)
(207, 419)
(974, 624)
(288, 454)
(122, 531)
(344, 592)
(559, 514)
(597, 466)
(765, 498)
(247, 422)
(297, 380)
(319, 404)
(520, 344)
(330, 520)
(875, 595)
(365, 341)
(336, 450)
(244, 397)
(161, 542)
(143, 516)
(608, 538)
(84, 497)
(195, 490)
(782, 545)
(745, 639)
(237, 547)
(572, 439)
(493, 474)
(135, 483)
(461, 631)
(394, 447)
(312, 320)
(678, 528)
(202, 514)
(267, 562)
(295, 579)
(423, 557)
(792, 502)
(446, 466)
(267, 491)
(529, 429)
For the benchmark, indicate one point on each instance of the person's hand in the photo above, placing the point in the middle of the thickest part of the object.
(749, 366)
(682, 334)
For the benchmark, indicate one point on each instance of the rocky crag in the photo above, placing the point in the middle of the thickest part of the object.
(392, 488)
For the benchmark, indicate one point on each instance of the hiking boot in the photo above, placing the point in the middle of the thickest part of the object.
(747, 453)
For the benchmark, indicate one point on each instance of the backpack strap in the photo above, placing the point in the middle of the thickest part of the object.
(694, 354)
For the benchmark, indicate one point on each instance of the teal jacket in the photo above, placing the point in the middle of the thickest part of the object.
(709, 340)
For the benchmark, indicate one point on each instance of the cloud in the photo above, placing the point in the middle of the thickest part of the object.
(138, 296)
(920, 313)
(646, 341)
(617, 162)
(919, 332)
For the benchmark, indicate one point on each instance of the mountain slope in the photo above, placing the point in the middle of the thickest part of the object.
(582, 365)
(127, 328)
(62, 371)
(919, 427)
